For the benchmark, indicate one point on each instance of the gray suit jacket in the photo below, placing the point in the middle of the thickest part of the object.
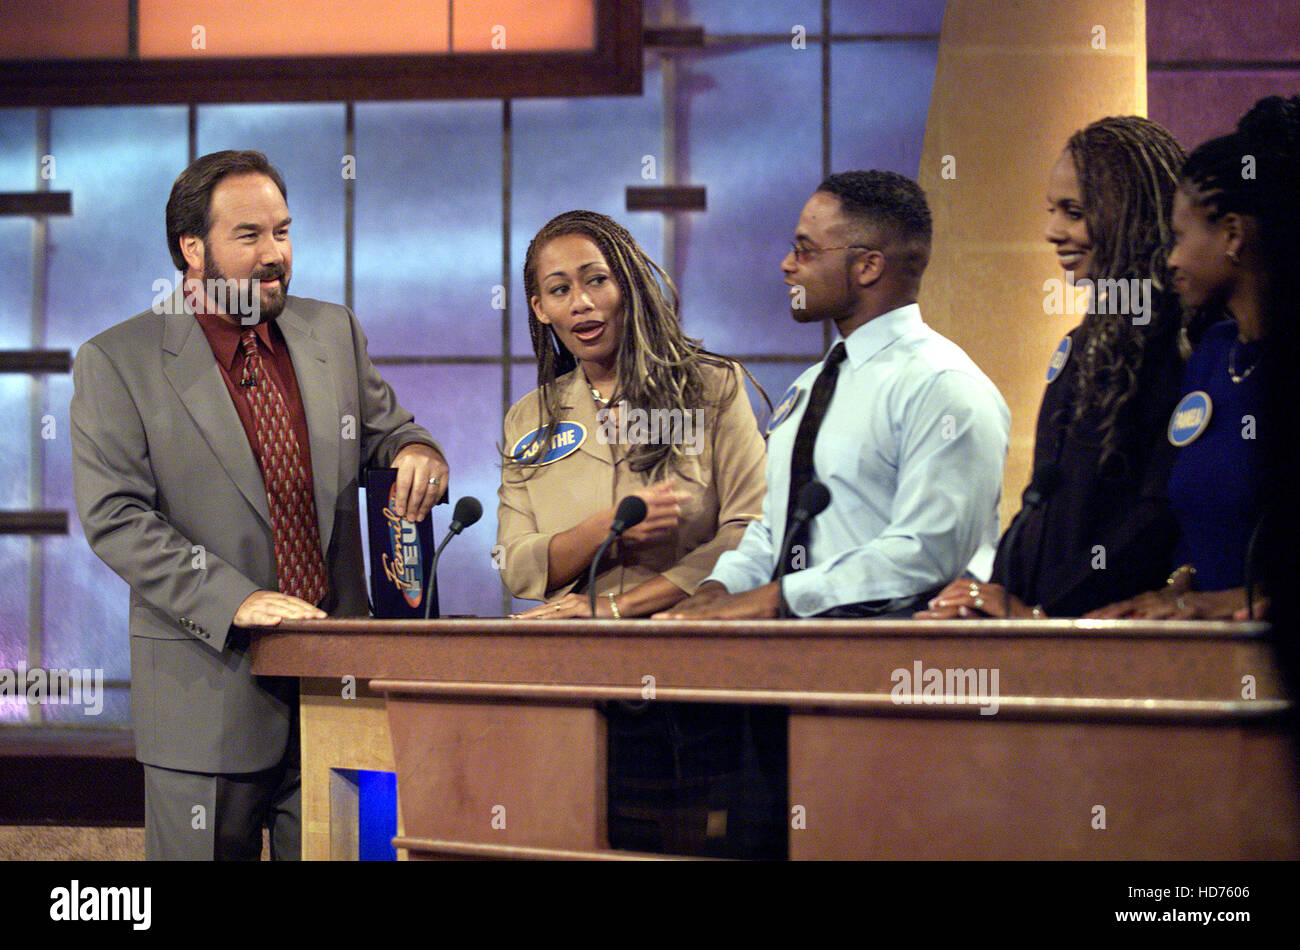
(171, 498)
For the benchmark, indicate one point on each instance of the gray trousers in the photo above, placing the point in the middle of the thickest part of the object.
(193, 816)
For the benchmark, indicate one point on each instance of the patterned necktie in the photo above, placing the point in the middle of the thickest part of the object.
(801, 459)
(299, 563)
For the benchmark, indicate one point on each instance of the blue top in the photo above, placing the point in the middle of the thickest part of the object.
(911, 448)
(1214, 484)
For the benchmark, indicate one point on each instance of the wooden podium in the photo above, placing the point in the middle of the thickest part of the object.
(1089, 739)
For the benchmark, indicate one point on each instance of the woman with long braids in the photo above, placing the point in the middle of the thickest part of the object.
(1096, 524)
(626, 404)
(1228, 257)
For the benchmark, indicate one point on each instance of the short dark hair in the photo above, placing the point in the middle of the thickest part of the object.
(190, 202)
(885, 200)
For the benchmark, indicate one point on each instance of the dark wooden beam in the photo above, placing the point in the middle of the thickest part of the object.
(674, 37)
(666, 198)
(34, 522)
(35, 202)
(35, 361)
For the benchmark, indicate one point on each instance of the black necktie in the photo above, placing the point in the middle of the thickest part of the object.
(801, 459)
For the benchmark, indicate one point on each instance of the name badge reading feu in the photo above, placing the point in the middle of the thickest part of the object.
(1191, 416)
(1057, 362)
(568, 437)
(784, 408)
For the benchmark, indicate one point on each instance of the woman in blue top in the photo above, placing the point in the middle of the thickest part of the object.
(1226, 189)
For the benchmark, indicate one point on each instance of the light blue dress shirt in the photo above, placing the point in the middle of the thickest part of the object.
(912, 449)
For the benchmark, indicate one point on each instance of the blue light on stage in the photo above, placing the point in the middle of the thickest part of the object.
(376, 815)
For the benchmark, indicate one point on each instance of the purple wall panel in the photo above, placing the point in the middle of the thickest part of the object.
(879, 102)
(84, 603)
(1186, 30)
(119, 163)
(428, 226)
(754, 131)
(15, 555)
(754, 16)
(1207, 96)
(581, 153)
(304, 141)
(461, 406)
(18, 165)
(1198, 105)
(886, 16)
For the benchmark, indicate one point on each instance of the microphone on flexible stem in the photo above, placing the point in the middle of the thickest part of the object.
(468, 510)
(812, 500)
(1041, 486)
(631, 512)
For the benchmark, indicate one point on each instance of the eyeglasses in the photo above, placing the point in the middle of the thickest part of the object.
(806, 252)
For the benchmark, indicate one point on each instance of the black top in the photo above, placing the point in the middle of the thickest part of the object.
(1099, 535)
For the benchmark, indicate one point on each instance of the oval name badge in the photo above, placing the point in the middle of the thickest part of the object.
(1191, 416)
(784, 408)
(568, 437)
(1057, 363)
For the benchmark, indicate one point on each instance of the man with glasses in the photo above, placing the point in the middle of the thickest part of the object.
(897, 422)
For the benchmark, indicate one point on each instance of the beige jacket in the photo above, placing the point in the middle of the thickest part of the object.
(725, 483)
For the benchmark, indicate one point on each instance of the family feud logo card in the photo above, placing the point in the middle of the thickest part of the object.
(400, 552)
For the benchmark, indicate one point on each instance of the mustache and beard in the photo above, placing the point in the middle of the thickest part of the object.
(241, 299)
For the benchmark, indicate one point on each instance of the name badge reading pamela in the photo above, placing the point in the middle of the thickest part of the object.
(1057, 363)
(784, 408)
(1191, 416)
(566, 440)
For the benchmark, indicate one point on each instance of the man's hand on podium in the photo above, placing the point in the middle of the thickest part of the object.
(712, 602)
(266, 608)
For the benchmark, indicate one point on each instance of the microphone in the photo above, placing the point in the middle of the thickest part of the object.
(467, 511)
(812, 500)
(631, 512)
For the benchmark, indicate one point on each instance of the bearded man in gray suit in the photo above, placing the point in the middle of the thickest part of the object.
(218, 440)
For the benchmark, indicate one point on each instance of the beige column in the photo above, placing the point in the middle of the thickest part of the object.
(1014, 80)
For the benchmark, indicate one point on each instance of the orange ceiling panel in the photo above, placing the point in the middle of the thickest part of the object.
(523, 26)
(56, 29)
(214, 28)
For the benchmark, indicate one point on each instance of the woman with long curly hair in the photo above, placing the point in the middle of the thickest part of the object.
(626, 404)
(1232, 252)
(1096, 524)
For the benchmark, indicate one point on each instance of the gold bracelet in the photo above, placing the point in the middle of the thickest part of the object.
(1184, 570)
(613, 607)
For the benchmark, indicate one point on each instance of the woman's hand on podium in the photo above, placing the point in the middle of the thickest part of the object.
(1179, 603)
(966, 597)
(570, 605)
